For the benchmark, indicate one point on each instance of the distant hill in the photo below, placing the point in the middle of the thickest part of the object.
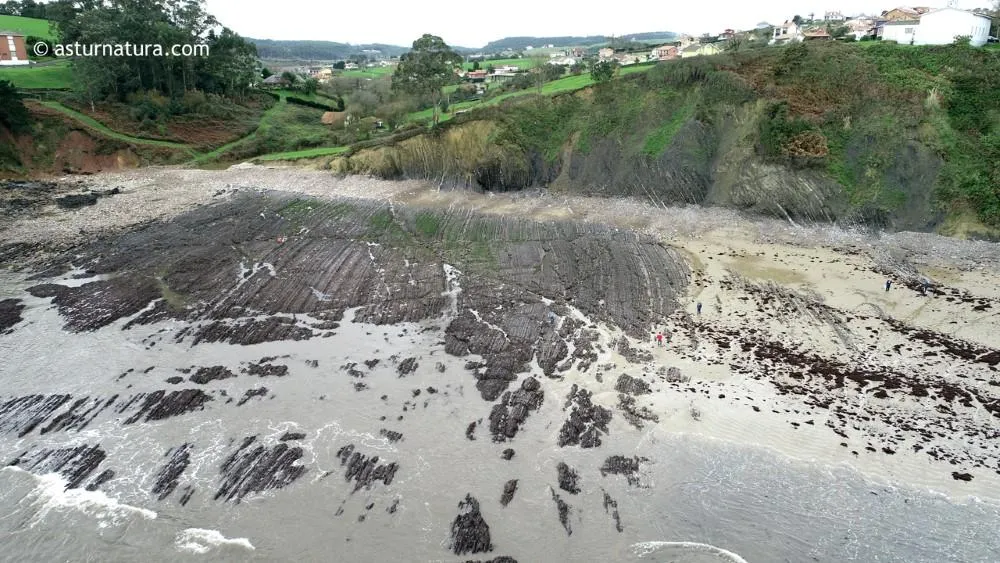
(522, 43)
(27, 26)
(319, 50)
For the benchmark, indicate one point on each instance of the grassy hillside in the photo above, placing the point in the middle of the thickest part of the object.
(27, 26)
(876, 134)
(53, 76)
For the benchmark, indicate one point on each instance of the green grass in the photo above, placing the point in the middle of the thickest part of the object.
(306, 153)
(27, 26)
(92, 123)
(558, 86)
(658, 141)
(315, 97)
(50, 77)
(375, 72)
(519, 63)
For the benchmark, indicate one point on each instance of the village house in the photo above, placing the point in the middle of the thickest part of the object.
(861, 27)
(476, 75)
(351, 66)
(577, 52)
(12, 49)
(606, 53)
(700, 50)
(904, 14)
(664, 53)
(786, 32)
(818, 34)
(275, 81)
(562, 61)
(937, 27)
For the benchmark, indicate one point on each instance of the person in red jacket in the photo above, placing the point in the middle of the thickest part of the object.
(659, 339)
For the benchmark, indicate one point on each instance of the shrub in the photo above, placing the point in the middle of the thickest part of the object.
(604, 71)
(13, 114)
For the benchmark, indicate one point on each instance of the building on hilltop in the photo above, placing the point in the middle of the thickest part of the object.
(12, 49)
(664, 53)
(833, 17)
(937, 27)
(786, 32)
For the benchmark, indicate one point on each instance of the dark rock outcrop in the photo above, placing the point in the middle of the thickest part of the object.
(74, 464)
(507, 454)
(256, 392)
(208, 374)
(291, 436)
(633, 413)
(631, 385)
(469, 531)
(364, 470)
(407, 366)
(586, 421)
(391, 435)
(513, 409)
(257, 468)
(611, 505)
(562, 510)
(568, 478)
(10, 314)
(167, 477)
(509, 488)
(624, 466)
(160, 405)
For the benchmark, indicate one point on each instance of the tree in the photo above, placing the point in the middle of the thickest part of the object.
(289, 77)
(13, 114)
(797, 20)
(310, 86)
(426, 68)
(604, 71)
(553, 72)
(266, 73)
(475, 65)
(538, 64)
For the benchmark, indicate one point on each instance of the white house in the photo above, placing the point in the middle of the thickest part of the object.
(903, 32)
(940, 27)
(785, 32)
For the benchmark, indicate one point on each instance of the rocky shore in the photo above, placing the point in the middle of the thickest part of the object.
(777, 335)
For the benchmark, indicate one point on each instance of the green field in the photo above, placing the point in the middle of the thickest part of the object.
(519, 63)
(307, 153)
(27, 26)
(564, 84)
(374, 72)
(51, 77)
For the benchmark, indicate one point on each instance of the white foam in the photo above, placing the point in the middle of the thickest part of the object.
(50, 493)
(200, 541)
(643, 549)
(451, 275)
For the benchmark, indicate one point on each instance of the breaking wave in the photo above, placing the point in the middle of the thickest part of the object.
(642, 549)
(198, 540)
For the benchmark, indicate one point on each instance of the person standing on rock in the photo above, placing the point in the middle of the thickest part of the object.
(659, 339)
(888, 284)
(699, 307)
